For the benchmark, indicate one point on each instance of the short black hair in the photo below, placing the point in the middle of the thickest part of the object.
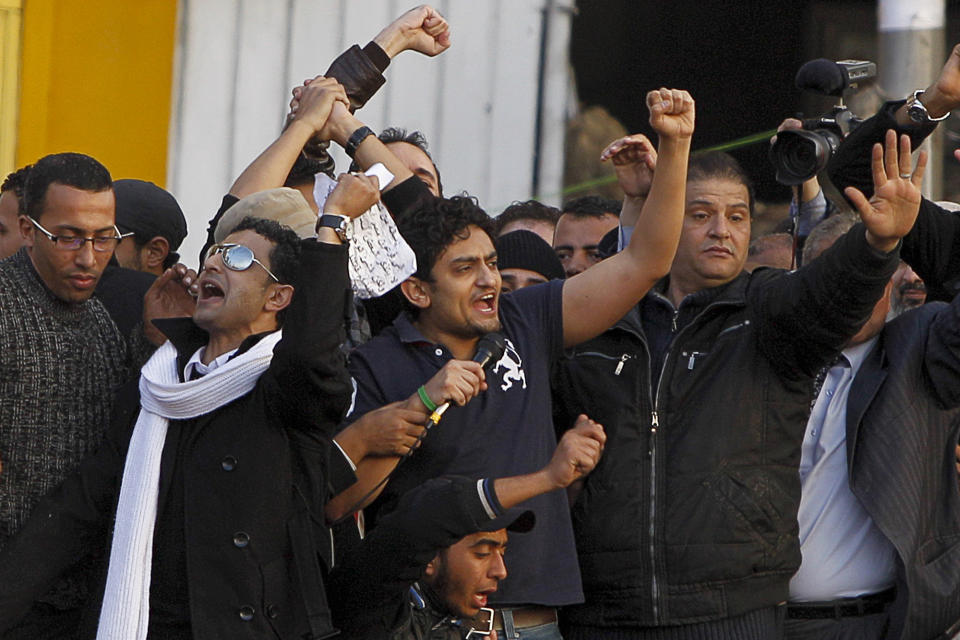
(304, 168)
(592, 207)
(431, 229)
(285, 255)
(718, 165)
(71, 169)
(527, 210)
(416, 138)
(15, 182)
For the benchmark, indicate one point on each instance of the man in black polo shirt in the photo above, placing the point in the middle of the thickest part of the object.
(507, 430)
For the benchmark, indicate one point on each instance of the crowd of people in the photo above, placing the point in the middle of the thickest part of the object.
(379, 412)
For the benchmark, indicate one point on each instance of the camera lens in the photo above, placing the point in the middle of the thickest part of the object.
(799, 155)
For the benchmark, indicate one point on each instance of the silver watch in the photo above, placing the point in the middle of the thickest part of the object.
(918, 112)
(336, 222)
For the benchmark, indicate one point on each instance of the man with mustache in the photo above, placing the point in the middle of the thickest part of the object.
(687, 527)
(909, 291)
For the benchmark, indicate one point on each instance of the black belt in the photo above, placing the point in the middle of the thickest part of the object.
(843, 607)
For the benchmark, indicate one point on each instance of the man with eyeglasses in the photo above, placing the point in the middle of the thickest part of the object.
(215, 464)
(212, 534)
(61, 356)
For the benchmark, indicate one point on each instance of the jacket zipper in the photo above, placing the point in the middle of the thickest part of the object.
(652, 451)
(622, 360)
(654, 425)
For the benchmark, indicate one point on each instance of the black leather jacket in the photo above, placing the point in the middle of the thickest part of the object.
(690, 515)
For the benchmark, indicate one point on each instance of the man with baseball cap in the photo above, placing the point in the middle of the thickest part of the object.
(428, 568)
(153, 226)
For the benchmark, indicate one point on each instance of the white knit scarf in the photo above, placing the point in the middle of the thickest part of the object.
(126, 602)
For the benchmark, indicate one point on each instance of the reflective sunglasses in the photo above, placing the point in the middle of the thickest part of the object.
(100, 244)
(236, 257)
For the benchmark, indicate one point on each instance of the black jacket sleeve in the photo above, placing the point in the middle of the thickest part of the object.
(932, 248)
(807, 316)
(307, 383)
(407, 197)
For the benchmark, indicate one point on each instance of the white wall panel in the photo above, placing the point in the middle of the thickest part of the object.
(260, 91)
(465, 102)
(314, 39)
(476, 103)
(202, 125)
(513, 62)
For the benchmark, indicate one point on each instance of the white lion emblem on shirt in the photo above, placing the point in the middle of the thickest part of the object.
(512, 367)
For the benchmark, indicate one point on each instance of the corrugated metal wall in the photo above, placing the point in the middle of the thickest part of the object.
(477, 103)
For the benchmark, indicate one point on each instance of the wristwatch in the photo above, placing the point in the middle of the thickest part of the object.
(356, 138)
(918, 112)
(336, 222)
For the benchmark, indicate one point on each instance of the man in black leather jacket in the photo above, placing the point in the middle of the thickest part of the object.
(687, 529)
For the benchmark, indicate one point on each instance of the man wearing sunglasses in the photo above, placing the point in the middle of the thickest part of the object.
(217, 458)
(61, 357)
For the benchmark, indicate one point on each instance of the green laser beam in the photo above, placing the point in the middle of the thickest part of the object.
(586, 185)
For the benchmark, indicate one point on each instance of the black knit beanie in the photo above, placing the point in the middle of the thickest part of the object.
(526, 250)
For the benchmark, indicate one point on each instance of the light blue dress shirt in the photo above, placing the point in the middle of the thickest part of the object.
(844, 553)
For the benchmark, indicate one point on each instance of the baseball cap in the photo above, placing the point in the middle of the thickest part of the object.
(149, 211)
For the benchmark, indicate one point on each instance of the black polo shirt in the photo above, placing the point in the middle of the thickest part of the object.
(505, 431)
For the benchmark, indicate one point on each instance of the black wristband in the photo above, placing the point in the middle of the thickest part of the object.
(356, 138)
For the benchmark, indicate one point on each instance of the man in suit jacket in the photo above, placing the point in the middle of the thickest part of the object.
(880, 508)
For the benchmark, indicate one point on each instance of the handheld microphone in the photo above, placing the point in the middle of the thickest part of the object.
(490, 349)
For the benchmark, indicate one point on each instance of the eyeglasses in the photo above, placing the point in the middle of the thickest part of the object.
(236, 257)
(74, 243)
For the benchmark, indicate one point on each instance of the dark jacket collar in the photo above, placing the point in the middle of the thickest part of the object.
(733, 292)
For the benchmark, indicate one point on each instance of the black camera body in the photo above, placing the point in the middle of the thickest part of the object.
(800, 154)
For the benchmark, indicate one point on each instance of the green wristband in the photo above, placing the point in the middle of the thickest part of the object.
(425, 399)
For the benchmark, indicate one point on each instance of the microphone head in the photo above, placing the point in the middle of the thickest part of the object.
(823, 76)
(490, 348)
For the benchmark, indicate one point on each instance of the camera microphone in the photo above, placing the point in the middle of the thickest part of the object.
(823, 76)
(490, 349)
(833, 78)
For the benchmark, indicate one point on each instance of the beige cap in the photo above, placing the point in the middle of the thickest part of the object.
(286, 206)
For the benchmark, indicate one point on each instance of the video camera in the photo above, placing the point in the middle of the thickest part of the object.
(800, 154)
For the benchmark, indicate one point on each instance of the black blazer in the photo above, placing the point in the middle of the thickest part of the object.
(902, 428)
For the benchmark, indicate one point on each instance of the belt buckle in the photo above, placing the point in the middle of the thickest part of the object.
(482, 633)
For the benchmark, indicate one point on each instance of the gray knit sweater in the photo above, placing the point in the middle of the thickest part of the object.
(60, 365)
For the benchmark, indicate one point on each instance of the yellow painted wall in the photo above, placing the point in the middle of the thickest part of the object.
(96, 78)
(9, 82)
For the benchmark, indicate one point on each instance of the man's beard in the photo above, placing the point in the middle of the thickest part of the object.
(903, 303)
